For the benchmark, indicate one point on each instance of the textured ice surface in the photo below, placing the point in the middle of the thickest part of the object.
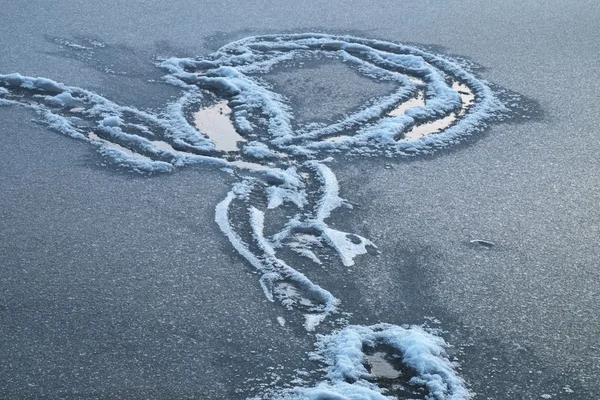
(531, 188)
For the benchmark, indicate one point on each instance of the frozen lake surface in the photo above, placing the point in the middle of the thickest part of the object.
(120, 285)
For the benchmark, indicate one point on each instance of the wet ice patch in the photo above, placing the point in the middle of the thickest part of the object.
(214, 121)
(380, 367)
(428, 128)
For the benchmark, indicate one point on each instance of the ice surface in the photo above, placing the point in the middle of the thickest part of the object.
(437, 102)
(529, 187)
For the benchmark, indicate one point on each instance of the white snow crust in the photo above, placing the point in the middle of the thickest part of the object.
(348, 379)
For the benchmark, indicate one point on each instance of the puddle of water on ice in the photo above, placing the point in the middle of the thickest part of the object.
(466, 97)
(380, 367)
(429, 127)
(214, 122)
(410, 103)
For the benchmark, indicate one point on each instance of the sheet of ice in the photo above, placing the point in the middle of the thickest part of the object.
(438, 101)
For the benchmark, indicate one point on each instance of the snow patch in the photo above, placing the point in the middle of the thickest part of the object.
(347, 378)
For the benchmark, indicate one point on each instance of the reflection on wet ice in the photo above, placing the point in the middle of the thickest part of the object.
(214, 121)
(466, 96)
(380, 367)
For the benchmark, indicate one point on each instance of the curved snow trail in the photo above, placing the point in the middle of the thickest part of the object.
(280, 163)
(373, 129)
(278, 280)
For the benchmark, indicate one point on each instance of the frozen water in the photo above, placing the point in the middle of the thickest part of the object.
(437, 101)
